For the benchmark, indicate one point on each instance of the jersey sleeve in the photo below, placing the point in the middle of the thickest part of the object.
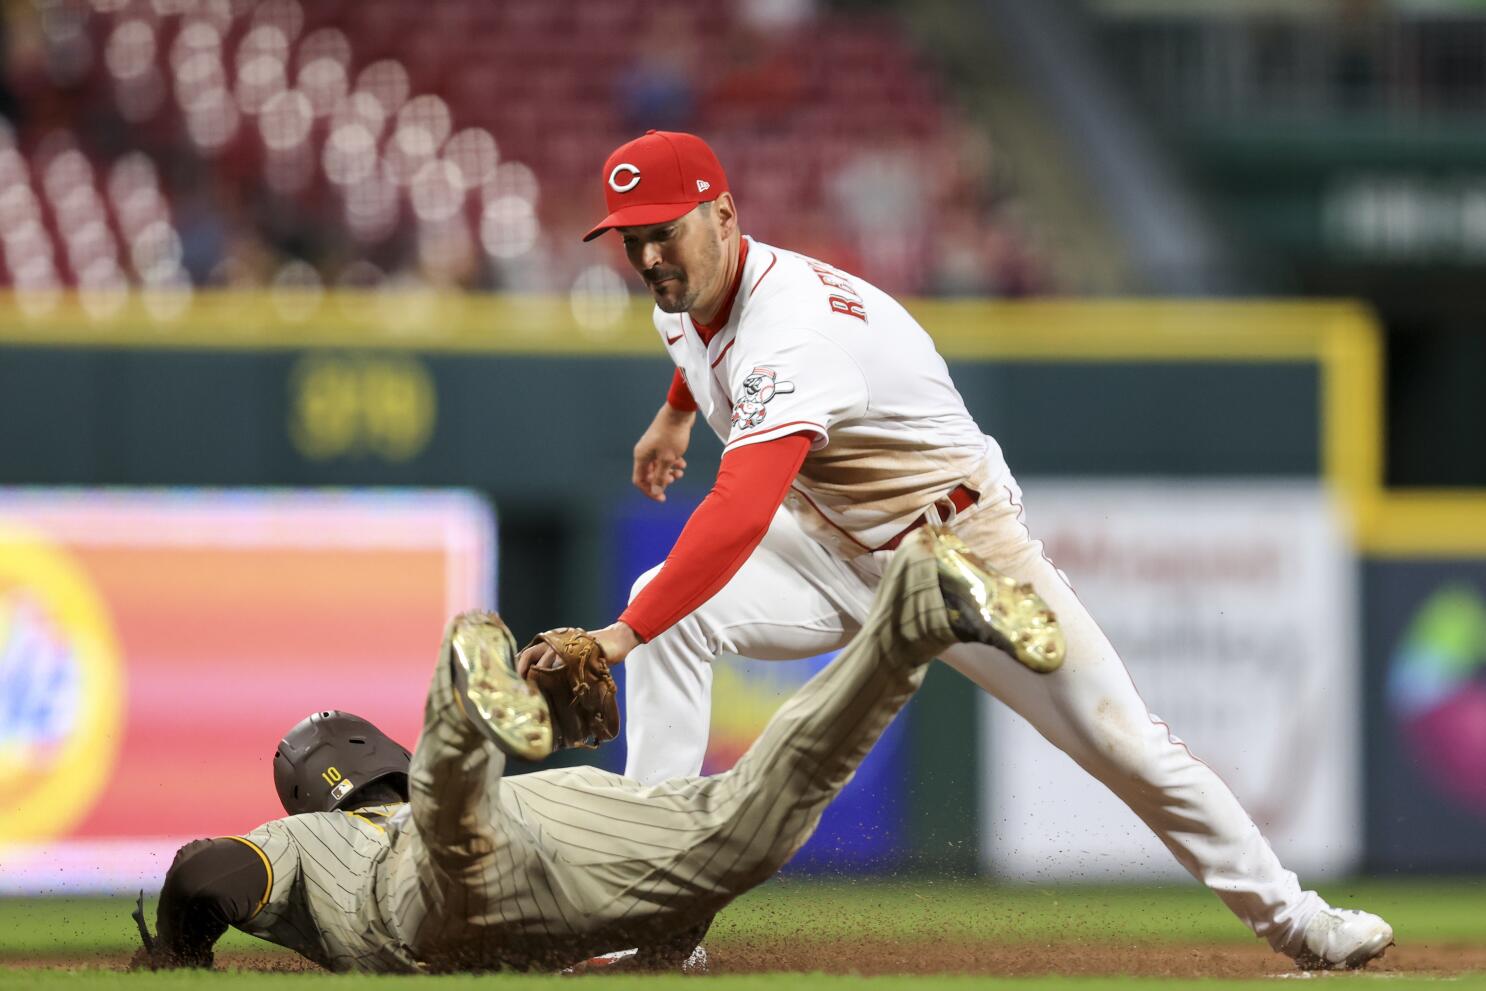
(280, 853)
(211, 884)
(803, 383)
(720, 535)
(679, 396)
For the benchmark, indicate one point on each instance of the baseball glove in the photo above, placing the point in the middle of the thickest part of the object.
(574, 678)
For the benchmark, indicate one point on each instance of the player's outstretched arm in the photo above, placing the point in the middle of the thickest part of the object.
(659, 453)
(211, 884)
(751, 484)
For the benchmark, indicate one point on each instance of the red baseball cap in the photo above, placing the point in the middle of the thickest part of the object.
(659, 176)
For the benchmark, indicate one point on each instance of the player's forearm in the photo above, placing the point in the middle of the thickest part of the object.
(211, 885)
(751, 484)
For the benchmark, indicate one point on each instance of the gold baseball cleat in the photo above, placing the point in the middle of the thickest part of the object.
(988, 607)
(500, 703)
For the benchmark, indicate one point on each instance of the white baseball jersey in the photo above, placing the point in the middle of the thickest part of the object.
(809, 348)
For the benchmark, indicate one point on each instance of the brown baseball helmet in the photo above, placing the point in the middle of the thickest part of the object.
(328, 756)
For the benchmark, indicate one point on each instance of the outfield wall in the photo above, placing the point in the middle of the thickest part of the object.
(518, 400)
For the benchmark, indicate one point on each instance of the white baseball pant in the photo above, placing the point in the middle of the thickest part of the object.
(794, 598)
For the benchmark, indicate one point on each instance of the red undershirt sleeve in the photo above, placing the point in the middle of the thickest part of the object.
(752, 482)
(680, 397)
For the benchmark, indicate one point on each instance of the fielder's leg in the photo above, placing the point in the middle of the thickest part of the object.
(1091, 710)
(769, 803)
(791, 599)
(643, 864)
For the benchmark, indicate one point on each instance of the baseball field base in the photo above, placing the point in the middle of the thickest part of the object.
(923, 933)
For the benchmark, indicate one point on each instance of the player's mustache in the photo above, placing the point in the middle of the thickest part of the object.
(657, 275)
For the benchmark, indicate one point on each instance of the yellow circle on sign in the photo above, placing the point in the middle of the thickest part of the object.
(60, 676)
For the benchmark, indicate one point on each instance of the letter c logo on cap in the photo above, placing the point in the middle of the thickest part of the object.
(624, 187)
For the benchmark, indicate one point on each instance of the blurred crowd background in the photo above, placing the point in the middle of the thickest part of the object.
(1327, 148)
(455, 144)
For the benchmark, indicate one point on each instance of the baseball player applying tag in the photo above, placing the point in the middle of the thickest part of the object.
(434, 861)
(842, 433)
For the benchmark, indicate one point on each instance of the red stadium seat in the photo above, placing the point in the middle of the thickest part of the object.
(786, 109)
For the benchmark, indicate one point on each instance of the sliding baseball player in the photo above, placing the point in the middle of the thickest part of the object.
(390, 862)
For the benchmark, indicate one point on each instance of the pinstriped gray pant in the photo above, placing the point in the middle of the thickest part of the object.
(544, 869)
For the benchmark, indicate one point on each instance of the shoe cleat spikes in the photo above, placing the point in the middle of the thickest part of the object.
(992, 608)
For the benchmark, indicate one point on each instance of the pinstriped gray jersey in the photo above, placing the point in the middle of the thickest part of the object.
(545, 869)
(580, 851)
(322, 894)
(345, 888)
(580, 848)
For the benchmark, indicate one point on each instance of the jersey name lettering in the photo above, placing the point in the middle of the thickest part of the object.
(851, 307)
(846, 300)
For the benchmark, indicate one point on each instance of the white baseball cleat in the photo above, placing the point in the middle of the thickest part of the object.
(619, 958)
(1343, 939)
(697, 962)
(622, 960)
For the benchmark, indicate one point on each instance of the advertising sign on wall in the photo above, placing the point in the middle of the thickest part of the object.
(1426, 753)
(1232, 606)
(155, 645)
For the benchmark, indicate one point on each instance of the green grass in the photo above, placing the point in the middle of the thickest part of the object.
(903, 911)
(1445, 910)
(1437, 910)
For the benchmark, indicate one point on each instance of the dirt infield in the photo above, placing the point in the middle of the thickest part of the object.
(875, 957)
(1224, 960)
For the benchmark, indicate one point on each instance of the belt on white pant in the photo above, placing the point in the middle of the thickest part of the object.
(944, 510)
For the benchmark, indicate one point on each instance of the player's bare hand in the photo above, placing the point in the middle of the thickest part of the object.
(537, 655)
(615, 640)
(659, 459)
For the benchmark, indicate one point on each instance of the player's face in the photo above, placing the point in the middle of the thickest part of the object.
(680, 261)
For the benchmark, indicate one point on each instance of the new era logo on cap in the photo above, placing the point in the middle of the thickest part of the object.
(678, 169)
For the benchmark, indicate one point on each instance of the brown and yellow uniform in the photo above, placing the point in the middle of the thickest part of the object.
(478, 870)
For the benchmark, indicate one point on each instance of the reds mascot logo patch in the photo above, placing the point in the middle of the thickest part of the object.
(758, 388)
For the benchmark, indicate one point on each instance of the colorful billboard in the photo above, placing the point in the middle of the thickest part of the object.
(154, 646)
(1233, 606)
(1426, 756)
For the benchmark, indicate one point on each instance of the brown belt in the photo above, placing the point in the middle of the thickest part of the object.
(959, 499)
